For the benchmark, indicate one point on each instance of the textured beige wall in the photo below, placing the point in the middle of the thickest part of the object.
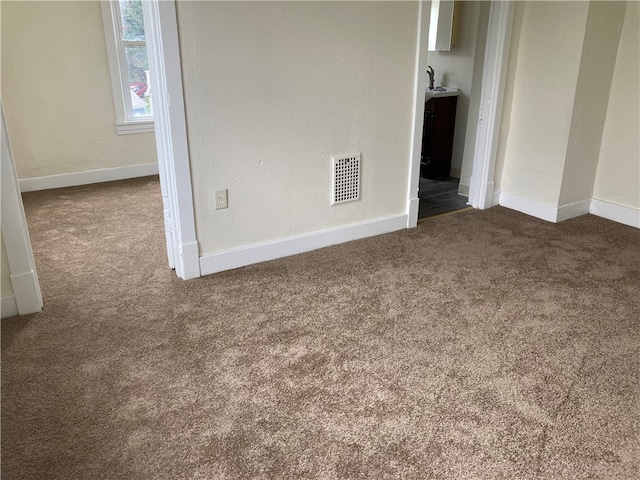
(570, 119)
(540, 111)
(57, 93)
(618, 174)
(272, 90)
(604, 25)
(5, 281)
(509, 87)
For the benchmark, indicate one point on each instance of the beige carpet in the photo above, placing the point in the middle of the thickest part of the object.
(480, 345)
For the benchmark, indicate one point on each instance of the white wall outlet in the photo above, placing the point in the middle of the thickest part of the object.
(221, 199)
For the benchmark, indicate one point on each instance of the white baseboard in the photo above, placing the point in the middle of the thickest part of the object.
(87, 177)
(189, 261)
(617, 213)
(530, 207)
(463, 190)
(489, 196)
(544, 211)
(414, 207)
(26, 290)
(572, 210)
(227, 260)
(9, 306)
(495, 199)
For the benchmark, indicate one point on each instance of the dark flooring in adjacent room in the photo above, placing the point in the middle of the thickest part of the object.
(439, 196)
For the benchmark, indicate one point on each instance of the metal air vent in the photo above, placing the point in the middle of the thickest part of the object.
(345, 172)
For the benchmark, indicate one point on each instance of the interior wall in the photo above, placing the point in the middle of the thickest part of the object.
(272, 90)
(541, 108)
(57, 93)
(618, 173)
(509, 87)
(604, 25)
(455, 69)
(5, 279)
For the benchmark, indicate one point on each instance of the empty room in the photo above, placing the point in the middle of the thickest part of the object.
(212, 260)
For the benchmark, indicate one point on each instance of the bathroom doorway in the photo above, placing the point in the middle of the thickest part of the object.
(473, 155)
(451, 111)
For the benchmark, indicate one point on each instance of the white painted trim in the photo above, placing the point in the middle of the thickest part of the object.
(572, 210)
(617, 213)
(110, 35)
(544, 211)
(134, 127)
(541, 210)
(22, 267)
(161, 31)
(463, 190)
(481, 187)
(611, 211)
(87, 177)
(8, 306)
(27, 298)
(420, 83)
(414, 207)
(263, 252)
(495, 200)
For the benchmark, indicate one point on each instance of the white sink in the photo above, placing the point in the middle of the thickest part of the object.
(441, 92)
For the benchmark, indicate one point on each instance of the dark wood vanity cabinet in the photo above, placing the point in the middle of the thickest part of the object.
(437, 136)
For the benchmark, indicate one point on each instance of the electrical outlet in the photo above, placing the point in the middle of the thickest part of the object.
(221, 199)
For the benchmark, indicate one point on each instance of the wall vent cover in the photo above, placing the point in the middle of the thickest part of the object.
(345, 172)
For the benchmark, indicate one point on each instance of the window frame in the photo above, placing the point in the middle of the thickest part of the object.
(126, 123)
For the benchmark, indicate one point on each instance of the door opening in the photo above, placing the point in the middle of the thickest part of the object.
(490, 109)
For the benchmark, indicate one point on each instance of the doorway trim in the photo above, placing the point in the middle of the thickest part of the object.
(22, 267)
(420, 83)
(496, 60)
(481, 194)
(161, 31)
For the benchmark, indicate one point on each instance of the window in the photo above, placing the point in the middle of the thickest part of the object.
(127, 52)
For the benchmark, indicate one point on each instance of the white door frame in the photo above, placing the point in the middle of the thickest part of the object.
(481, 185)
(161, 31)
(420, 83)
(481, 194)
(22, 267)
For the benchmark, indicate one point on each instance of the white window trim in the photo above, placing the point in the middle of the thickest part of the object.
(118, 69)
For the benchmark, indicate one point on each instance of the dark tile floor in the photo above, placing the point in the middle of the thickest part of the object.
(439, 196)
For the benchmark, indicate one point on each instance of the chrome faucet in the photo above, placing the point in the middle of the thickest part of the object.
(431, 74)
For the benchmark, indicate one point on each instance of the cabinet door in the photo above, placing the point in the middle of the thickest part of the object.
(426, 159)
(437, 139)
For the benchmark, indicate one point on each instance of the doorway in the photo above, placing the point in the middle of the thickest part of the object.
(477, 128)
(73, 138)
(449, 115)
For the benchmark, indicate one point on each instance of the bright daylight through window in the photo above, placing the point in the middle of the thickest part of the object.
(127, 51)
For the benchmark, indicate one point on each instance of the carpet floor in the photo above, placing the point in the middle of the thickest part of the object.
(479, 345)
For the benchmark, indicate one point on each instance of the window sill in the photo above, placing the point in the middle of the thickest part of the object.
(134, 127)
